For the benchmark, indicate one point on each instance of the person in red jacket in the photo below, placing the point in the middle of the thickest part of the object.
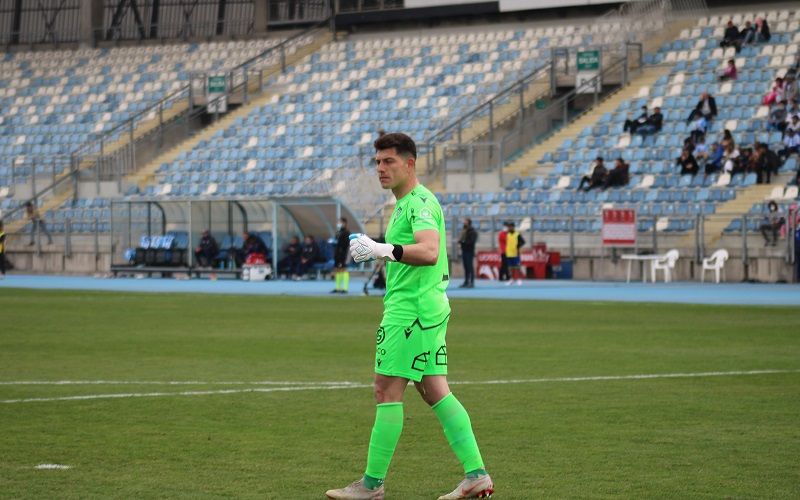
(501, 242)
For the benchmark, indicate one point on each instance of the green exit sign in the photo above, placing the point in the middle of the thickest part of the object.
(216, 84)
(589, 60)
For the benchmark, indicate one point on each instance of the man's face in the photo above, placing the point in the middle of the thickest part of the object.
(393, 169)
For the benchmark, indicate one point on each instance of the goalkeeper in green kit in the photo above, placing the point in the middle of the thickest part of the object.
(410, 342)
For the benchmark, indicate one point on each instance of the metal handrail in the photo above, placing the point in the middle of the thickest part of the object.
(507, 91)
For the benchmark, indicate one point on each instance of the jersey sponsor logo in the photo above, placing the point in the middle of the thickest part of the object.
(380, 335)
(441, 356)
(420, 360)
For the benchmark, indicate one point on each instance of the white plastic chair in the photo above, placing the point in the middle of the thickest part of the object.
(716, 263)
(664, 263)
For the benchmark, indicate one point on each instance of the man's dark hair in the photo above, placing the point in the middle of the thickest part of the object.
(402, 143)
(343, 219)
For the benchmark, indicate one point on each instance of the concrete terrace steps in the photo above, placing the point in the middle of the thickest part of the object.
(527, 163)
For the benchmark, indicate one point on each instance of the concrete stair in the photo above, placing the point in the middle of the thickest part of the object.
(730, 210)
(527, 163)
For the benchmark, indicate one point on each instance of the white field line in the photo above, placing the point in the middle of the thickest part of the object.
(352, 385)
(167, 382)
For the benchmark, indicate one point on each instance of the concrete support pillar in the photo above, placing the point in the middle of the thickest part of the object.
(91, 19)
(261, 15)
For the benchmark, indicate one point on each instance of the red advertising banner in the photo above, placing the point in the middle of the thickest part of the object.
(619, 226)
(533, 262)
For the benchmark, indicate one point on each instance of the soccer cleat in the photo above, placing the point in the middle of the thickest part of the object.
(472, 487)
(356, 491)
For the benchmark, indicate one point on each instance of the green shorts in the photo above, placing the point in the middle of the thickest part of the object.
(411, 351)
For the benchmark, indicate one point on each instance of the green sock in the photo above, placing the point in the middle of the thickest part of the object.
(345, 280)
(385, 435)
(458, 431)
(338, 279)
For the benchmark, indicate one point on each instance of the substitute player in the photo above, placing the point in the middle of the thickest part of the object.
(410, 342)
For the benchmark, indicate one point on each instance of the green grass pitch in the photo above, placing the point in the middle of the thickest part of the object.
(732, 436)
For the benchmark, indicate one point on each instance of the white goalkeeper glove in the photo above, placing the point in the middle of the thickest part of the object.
(363, 249)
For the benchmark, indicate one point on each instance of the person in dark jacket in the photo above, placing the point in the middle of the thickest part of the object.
(771, 225)
(706, 107)
(291, 258)
(768, 163)
(253, 245)
(309, 255)
(597, 177)
(618, 176)
(653, 124)
(206, 250)
(341, 253)
(467, 240)
(688, 163)
(731, 36)
(633, 125)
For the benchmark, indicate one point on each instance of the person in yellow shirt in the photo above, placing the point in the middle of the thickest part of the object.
(514, 242)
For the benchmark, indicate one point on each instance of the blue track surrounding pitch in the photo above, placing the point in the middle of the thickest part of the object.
(683, 292)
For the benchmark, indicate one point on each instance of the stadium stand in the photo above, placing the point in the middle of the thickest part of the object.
(656, 190)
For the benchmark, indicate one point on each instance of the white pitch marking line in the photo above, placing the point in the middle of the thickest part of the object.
(167, 382)
(52, 466)
(352, 385)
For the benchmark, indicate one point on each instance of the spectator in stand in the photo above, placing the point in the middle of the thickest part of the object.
(768, 163)
(633, 125)
(206, 250)
(618, 176)
(597, 178)
(731, 37)
(730, 159)
(714, 161)
(745, 33)
(777, 117)
(730, 71)
(502, 238)
(706, 107)
(309, 255)
(701, 152)
(759, 34)
(654, 123)
(727, 140)
(790, 87)
(467, 240)
(772, 224)
(698, 129)
(291, 258)
(688, 163)
(794, 124)
(791, 145)
(776, 93)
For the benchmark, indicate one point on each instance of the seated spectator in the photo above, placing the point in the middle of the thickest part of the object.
(744, 163)
(687, 163)
(791, 144)
(727, 140)
(790, 87)
(772, 224)
(730, 159)
(654, 123)
(290, 262)
(698, 129)
(776, 94)
(597, 178)
(254, 250)
(714, 161)
(206, 250)
(706, 107)
(745, 34)
(794, 124)
(701, 152)
(618, 176)
(759, 34)
(633, 125)
(730, 71)
(777, 117)
(768, 163)
(309, 255)
(731, 37)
